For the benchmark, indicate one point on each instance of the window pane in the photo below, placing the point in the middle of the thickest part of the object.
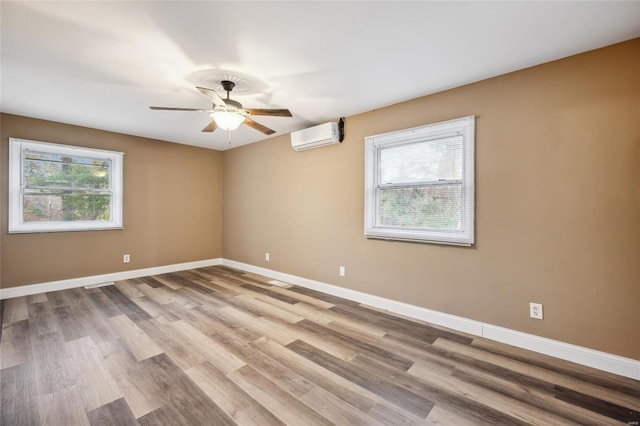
(65, 171)
(428, 207)
(65, 206)
(429, 160)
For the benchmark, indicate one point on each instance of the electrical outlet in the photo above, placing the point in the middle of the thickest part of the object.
(126, 258)
(342, 271)
(266, 257)
(535, 310)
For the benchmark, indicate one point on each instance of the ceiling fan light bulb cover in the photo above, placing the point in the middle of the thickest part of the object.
(227, 120)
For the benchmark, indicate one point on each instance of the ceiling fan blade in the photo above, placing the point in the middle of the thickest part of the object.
(179, 109)
(259, 127)
(212, 95)
(271, 112)
(210, 127)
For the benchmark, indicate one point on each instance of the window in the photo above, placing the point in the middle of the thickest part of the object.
(63, 188)
(420, 185)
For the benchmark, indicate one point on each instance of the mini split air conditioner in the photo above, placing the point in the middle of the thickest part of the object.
(322, 135)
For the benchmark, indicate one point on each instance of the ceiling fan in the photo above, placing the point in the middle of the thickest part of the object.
(229, 114)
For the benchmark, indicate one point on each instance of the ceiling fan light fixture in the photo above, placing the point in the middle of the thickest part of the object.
(227, 120)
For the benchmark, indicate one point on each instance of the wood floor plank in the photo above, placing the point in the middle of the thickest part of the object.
(549, 376)
(323, 316)
(185, 395)
(160, 295)
(444, 416)
(285, 333)
(14, 310)
(41, 319)
(15, 345)
(179, 296)
(301, 309)
(333, 383)
(107, 307)
(530, 396)
(359, 326)
(288, 291)
(399, 325)
(390, 391)
(407, 352)
(183, 278)
(239, 405)
(19, 402)
(273, 398)
(181, 351)
(338, 386)
(52, 370)
(270, 293)
(497, 401)
(434, 391)
(152, 307)
(167, 281)
(287, 379)
(581, 372)
(70, 327)
(211, 350)
(336, 410)
(263, 328)
(334, 300)
(129, 289)
(62, 407)
(392, 415)
(56, 299)
(90, 319)
(140, 345)
(360, 346)
(197, 298)
(165, 415)
(114, 413)
(37, 298)
(268, 310)
(233, 342)
(152, 282)
(124, 304)
(599, 406)
(141, 393)
(213, 323)
(228, 320)
(224, 287)
(247, 303)
(94, 381)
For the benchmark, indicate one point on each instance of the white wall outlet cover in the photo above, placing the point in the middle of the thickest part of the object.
(535, 310)
(342, 271)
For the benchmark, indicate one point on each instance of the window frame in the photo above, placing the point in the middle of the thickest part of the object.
(17, 224)
(465, 127)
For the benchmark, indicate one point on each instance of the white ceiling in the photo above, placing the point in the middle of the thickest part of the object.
(101, 64)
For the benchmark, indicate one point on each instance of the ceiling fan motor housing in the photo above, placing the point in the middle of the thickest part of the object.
(227, 85)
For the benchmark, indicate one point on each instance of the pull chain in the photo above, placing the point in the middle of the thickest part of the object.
(229, 139)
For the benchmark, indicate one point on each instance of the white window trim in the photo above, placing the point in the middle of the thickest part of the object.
(466, 127)
(16, 218)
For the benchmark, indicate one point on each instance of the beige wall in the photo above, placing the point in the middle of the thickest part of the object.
(172, 208)
(557, 205)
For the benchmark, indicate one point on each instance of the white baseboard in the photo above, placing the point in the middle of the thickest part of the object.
(592, 358)
(26, 290)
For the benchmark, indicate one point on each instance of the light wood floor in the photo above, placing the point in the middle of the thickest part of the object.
(217, 346)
